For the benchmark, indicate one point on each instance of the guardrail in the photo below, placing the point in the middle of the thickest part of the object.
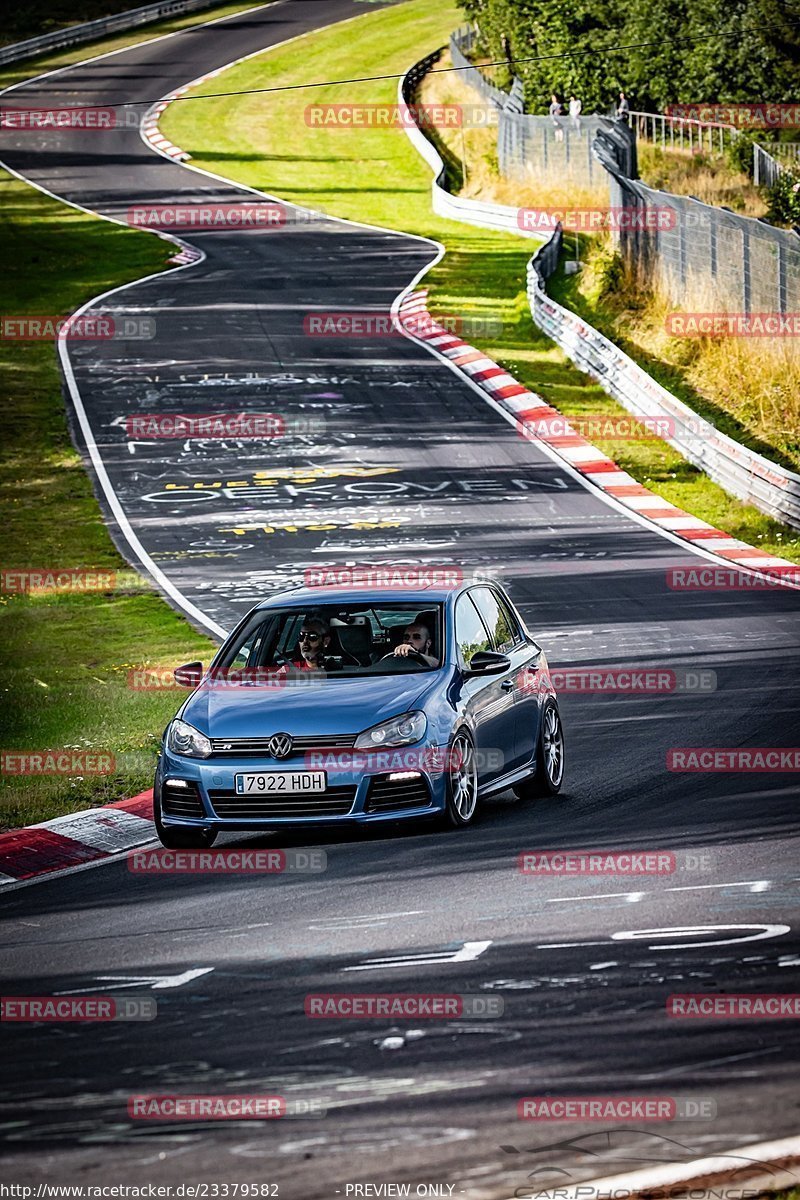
(773, 489)
(73, 35)
(445, 204)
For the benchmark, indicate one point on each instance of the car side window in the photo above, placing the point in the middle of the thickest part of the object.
(504, 629)
(471, 633)
(248, 652)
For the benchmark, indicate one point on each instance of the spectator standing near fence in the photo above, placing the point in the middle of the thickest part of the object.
(555, 116)
(575, 108)
(623, 108)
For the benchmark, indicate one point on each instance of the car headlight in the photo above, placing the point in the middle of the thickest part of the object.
(186, 740)
(400, 731)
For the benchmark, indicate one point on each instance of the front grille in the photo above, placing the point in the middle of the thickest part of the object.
(386, 794)
(237, 747)
(181, 801)
(334, 802)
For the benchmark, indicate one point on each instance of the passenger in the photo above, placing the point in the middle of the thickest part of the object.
(417, 637)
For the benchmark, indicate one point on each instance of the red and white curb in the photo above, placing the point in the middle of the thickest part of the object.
(531, 411)
(153, 135)
(149, 127)
(75, 840)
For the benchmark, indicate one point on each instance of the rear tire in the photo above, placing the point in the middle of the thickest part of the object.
(462, 782)
(549, 773)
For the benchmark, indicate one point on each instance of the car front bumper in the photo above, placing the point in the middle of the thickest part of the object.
(353, 796)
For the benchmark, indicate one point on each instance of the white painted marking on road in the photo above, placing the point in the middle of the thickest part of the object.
(762, 932)
(367, 921)
(789, 960)
(155, 982)
(754, 885)
(680, 931)
(468, 953)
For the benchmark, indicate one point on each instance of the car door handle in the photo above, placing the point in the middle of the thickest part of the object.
(507, 685)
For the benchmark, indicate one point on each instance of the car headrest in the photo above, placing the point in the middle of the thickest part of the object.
(354, 638)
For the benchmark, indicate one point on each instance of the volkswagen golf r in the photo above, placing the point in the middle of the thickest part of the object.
(333, 705)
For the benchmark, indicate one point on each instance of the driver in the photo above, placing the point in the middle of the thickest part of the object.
(314, 639)
(417, 637)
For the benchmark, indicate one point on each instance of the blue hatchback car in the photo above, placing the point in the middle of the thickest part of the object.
(336, 705)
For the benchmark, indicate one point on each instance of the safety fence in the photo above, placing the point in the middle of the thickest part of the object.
(770, 161)
(704, 258)
(701, 256)
(773, 489)
(73, 35)
(683, 133)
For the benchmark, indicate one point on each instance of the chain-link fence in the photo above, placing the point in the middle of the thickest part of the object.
(549, 151)
(462, 43)
(546, 151)
(702, 257)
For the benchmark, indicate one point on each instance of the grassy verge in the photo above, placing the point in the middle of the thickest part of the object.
(375, 175)
(748, 387)
(65, 658)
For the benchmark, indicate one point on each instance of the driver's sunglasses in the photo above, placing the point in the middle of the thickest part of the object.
(306, 636)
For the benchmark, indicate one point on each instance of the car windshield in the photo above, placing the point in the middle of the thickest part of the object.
(352, 639)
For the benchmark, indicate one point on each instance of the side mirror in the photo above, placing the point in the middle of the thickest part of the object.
(189, 675)
(487, 662)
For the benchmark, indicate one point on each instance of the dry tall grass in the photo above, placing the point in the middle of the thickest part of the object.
(755, 379)
(706, 176)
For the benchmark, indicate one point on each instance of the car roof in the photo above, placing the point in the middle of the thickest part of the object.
(334, 594)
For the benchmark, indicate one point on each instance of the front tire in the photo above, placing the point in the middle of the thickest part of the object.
(462, 782)
(549, 773)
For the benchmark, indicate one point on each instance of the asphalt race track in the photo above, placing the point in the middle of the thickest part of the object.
(411, 464)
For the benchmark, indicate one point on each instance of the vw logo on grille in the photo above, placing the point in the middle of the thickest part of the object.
(280, 745)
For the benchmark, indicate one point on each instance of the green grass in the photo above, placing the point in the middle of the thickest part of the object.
(375, 175)
(64, 658)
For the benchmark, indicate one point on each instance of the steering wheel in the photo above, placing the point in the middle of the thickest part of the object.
(411, 654)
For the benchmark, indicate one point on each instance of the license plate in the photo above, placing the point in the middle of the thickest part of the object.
(279, 783)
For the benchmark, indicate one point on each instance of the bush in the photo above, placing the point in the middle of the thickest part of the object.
(739, 154)
(784, 197)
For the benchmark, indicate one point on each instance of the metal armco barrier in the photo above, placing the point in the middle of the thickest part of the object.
(743, 473)
(445, 204)
(773, 489)
(75, 34)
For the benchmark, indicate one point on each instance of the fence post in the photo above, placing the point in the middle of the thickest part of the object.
(782, 280)
(746, 280)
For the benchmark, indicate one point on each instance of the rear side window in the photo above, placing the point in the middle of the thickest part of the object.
(499, 619)
(471, 633)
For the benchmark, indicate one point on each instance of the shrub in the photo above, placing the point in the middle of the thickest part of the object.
(784, 197)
